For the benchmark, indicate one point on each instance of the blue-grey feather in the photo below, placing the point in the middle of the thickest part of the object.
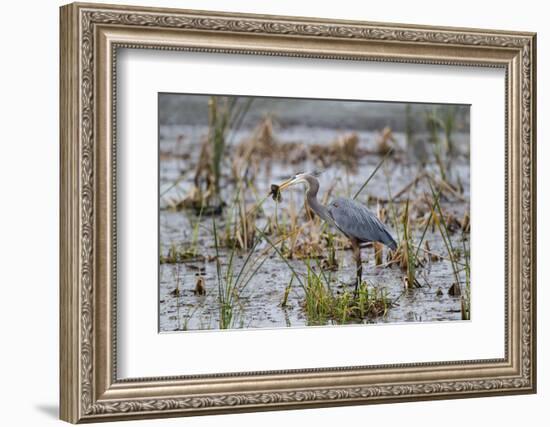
(357, 221)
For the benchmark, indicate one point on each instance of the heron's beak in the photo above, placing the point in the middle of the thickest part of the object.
(287, 183)
(276, 189)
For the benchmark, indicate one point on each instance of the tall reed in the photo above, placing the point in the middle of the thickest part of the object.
(231, 284)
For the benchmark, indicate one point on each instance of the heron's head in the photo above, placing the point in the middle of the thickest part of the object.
(300, 178)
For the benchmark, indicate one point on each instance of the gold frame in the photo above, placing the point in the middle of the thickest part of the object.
(90, 36)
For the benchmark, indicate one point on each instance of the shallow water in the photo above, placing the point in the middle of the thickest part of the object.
(259, 305)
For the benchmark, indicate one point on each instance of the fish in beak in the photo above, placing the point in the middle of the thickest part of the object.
(276, 189)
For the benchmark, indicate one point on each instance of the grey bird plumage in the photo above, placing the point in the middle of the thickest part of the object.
(356, 220)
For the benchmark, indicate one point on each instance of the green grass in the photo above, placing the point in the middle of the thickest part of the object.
(453, 256)
(219, 113)
(442, 122)
(380, 163)
(465, 303)
(288, 288)
(183, 253)
(231, 283)
(177, 254)
(323, 306)
(410, 254)
(435, 124)
(445, 234)
(240, 229)
(331, 261)
(449, 126)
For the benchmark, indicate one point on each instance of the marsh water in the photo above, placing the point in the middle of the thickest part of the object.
(260, 304)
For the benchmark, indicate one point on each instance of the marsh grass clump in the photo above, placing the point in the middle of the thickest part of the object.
(178, 254)
(435, 124)
(184, 252)
(261, 144)
(225, 116)
(312, 240)
(407, 255)
(250, 155)
(344, 150)
(449, 120)
(331, 261)
(305, 249)
(385, 141)
(299, 240)
(240, 231)
(441, 124)
(322, 305)
(318, 299)
(220, 118)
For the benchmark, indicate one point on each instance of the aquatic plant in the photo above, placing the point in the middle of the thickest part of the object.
(240, 230)
(434, 124)
(225, 117)
(184, 252)
(453, 257)
(177, 254)
(322, 305)
(385, 141)
(219, 115)
(465, 300)
(331, 261)
(449, 125)
(231, 284)
(406, 255)
(344, 149)
(443, 121)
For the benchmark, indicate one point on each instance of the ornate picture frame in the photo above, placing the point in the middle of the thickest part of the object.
(90, 37)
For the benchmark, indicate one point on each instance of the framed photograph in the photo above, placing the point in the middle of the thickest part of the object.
(266, 212)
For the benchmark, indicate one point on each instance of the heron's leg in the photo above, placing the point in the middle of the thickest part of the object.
(358, 264)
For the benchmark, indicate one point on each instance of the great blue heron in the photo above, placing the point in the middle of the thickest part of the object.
(352, 218)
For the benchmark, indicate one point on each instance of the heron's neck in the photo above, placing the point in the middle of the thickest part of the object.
(314, 204)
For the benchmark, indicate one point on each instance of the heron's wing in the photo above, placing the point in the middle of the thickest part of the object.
(356, 220)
